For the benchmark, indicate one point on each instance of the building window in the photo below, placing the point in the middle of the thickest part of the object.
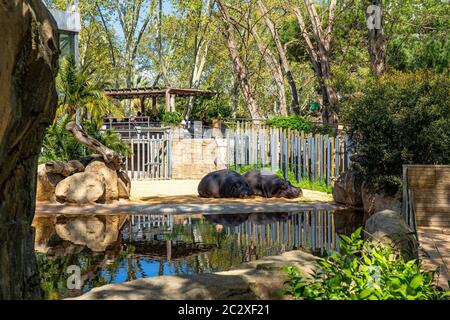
(67, 43)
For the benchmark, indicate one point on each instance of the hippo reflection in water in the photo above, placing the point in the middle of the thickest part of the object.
(224, 184)
(266, 184)
(258, 218)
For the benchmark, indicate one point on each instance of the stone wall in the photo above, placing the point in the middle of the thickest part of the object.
(194, 158)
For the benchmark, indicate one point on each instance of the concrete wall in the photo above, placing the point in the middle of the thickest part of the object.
(194, 158)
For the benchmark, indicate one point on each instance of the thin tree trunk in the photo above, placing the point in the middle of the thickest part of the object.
(283, 57)
(276, 70)
(376, 43)
(319, 55)
(239, 67)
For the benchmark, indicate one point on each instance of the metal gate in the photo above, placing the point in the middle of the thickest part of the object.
(151, 157)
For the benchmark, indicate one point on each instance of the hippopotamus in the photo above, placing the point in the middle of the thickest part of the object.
(267, 217)
(264, 183)
(224, 184)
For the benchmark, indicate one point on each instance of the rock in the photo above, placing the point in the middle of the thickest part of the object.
(109, 174)
(260, 279)
(82, 187)
(123, 185)
(347, 189)
(95, 232)
(389, 228)
(28, 101)
(378, 200)
(46, 184)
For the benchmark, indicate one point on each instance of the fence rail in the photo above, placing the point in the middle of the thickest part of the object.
(151, 157)
(316, 157)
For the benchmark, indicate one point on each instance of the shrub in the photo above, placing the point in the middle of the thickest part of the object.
(171, 118)
(300, 124)
(290, 122)
(364, 271)
(400, 118)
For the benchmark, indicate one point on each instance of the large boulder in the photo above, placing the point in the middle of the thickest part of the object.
(109, 175)
(46, 184)
(28, 101)
(80, 188)
(347, 189)
(379, 200)
(389, 228)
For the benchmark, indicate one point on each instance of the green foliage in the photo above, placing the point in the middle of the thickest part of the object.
(171, 118)
(80, 89)
(364, 271)
(290, 122)
(216, 108)
(59, 144)
(299, 123)
(400, 118)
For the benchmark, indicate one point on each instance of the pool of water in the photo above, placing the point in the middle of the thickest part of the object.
(117, 248)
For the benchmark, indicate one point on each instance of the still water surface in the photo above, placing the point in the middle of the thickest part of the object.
(118, 248)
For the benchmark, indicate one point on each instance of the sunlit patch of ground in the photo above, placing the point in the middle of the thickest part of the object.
(185, 191)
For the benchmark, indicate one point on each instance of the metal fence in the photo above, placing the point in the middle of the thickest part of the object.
(151, 156)
(316, 157)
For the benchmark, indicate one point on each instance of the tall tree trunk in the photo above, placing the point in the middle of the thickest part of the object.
(319, 55)
(28, 64)
(275, 68)
(239, 67)
(295, 107)
(376, 43)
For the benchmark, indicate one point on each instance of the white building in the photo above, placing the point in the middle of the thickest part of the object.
(69, 26)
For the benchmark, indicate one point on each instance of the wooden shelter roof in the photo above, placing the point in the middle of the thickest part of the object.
(133, 93)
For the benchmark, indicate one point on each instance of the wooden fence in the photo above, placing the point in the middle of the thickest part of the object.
(426, 195)
(316, 157)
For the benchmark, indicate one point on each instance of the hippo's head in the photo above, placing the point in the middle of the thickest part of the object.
(241, 190)
(287, 190)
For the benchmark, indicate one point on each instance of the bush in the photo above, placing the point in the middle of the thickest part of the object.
(171, 118)
(401, 118)
(300, 124)
(290, 122)
(364, 271)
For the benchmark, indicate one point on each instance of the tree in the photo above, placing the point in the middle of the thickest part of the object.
(240, 68)
(376, 43)
(282, 55)
(318, 47)
(80, 90)
(201, 17)
(133, 23)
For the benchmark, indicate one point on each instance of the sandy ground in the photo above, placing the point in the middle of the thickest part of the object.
(181, 197)
(185, 191)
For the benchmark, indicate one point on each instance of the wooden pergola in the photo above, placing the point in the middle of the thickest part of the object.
(169, 93)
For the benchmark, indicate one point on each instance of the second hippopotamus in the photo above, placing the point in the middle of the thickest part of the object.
(266, 184)
(224, 184)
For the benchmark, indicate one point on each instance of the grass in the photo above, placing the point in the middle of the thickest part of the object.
(304, 183)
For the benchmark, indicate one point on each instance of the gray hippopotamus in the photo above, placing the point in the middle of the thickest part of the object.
(224, 184)
(266, 184)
